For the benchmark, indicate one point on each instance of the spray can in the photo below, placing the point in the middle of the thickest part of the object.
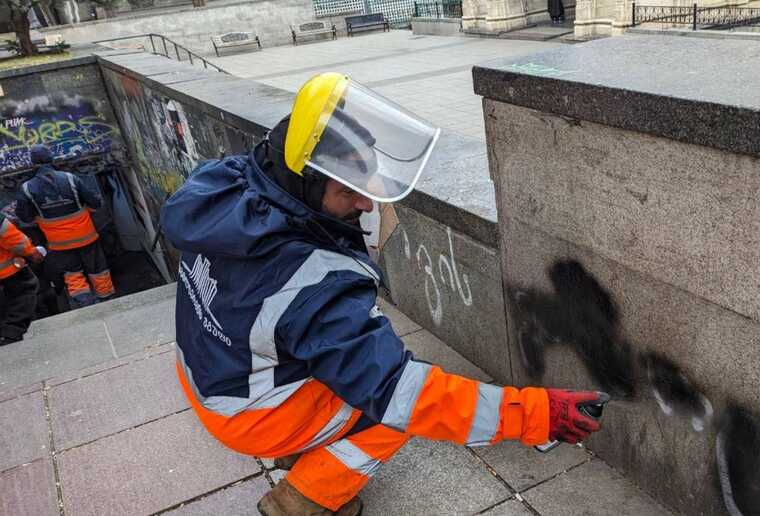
(592, 410)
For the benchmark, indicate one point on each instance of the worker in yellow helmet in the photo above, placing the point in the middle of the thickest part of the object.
(282, 351)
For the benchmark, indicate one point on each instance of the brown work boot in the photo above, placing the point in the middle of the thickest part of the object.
(285, 500)
(286, 462)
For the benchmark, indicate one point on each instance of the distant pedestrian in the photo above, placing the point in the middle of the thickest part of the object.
(60, 203)
(556, 11)
(18, 282)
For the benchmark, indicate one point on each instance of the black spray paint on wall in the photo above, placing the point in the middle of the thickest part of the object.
(582, 314)
(579, 313)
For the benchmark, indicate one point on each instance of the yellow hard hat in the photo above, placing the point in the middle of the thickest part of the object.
(353, 135)
(313, 107)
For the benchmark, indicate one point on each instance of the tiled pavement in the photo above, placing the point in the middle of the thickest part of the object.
(430, 75)
(107, 431)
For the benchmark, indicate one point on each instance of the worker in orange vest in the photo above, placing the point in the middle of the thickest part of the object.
(18, 282)
(60, 203)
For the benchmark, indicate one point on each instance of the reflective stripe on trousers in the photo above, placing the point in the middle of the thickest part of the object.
(102, 284)
(311, 417)
(333, 475)
(76, 284)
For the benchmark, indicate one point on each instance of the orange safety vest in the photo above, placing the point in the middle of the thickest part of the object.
(68, 231)
(13, 243)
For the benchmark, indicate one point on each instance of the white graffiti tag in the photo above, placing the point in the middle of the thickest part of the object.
(448, 275)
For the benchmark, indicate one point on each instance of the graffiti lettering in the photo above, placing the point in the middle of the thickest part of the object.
(448, 275)
(69, 126)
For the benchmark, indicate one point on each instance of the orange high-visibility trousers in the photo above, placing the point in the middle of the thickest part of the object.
(331, 473)
(336, 464)
(334, 474)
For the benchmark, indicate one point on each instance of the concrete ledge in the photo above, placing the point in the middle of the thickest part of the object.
(437, 26)
(48, 67)
(616, 74)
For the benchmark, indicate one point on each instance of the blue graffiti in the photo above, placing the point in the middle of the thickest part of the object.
(72, 128)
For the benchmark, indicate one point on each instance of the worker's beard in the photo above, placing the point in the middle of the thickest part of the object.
(352, 217)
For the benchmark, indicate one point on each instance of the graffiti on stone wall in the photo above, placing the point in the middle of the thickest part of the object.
(70, 125)
(441, 273)
(674, 391)
(582, 314)
(162, 142)
(737, 453)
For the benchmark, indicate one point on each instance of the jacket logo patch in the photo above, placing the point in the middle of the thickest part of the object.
(202, 289)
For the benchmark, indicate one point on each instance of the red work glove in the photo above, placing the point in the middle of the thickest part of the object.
(566, 423)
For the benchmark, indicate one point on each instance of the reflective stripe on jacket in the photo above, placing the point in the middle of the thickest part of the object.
(267, 306)
(60, 204)
(13, 243)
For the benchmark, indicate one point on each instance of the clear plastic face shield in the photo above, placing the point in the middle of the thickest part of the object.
(373, 146)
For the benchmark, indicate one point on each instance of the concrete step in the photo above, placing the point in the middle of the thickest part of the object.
(101, 310)
(73, 341)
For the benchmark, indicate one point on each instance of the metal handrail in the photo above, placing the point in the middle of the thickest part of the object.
(163, 40)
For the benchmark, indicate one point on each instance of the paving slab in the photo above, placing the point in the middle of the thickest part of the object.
(105, 403)
(29, 490)
(23, 430)
(111, 364)
(142, 327)
(428, 74)
(52, 354)
(148, 469)
(402, 324)
(596, 488)
(509, 508)
(237, 500)
(428, 477)
(427, 346)
(20, 391)
(522, 467)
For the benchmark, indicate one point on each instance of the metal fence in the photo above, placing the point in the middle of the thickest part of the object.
(397, 12)
(697, 17)
(728, 17)
(441, 9)
(338, 7)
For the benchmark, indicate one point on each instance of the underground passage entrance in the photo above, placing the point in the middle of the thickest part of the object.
(132, 268)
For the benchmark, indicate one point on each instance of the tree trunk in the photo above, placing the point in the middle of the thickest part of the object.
(20, 21)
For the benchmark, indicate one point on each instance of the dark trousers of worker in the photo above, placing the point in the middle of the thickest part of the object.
(85, 273)
(20, 291)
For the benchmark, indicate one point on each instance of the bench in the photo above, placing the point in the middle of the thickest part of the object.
(312, 28)
(234, 39)
(366, 21)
